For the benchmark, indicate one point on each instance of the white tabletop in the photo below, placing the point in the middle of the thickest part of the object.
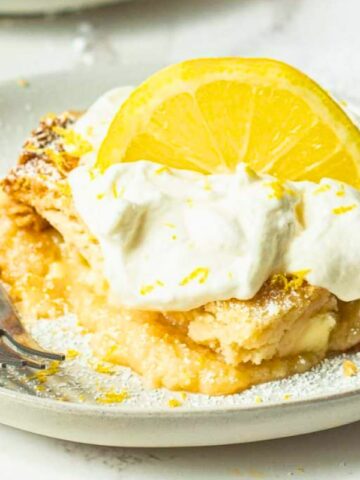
(321, 37)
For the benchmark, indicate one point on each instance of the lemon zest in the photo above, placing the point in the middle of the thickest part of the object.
(161, 170)
(341, 191)
(250, 172)
(114, 190)
(290, 281)
(42, 375)
(146, 289)
(322, 189)
(200, 273)
(71, 354)
(279, 190)
(113, 397)
(343, 209)
(174, 403)
(64, 188)
(79, 146)
(103, 368)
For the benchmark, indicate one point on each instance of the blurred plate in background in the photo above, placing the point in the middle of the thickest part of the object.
(31, 7)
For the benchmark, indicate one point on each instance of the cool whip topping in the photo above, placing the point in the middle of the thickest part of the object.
(176, 239)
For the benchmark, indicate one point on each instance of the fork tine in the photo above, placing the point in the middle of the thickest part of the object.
(32, 351)
(12, 328)
(10, 357)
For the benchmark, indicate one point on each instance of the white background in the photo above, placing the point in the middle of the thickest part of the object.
(321, 37)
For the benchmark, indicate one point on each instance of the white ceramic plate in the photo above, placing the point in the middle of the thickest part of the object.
(34, 7)
(317, 400)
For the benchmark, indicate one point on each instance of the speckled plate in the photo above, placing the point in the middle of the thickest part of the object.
(71, 403)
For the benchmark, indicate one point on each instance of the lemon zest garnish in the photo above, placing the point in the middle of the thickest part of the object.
(174, 403)
(60, 159)
(64, 188)
(230, 275)
(258, 399)
(103, 368)
(322, 189)
(251, 173)
(190, 202)
(183, 395)
(287, 396)
(79, 146)
(341, 191)
(173, 237)
(113, 397)
(40, 388)
(109, 352)
(290, 281)
(200, 273)
(93, 172)
(161, 170)
(100, 196)
(114, 190)
(146, 289)
(278, 190)
(42, 375)
(343, 209)
(299, 212)
(169, 225)
(71, 354)
(349, 368)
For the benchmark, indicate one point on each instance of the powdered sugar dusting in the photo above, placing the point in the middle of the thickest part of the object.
(79, 379)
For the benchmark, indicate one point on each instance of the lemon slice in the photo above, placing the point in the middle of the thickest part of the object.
(210, 114)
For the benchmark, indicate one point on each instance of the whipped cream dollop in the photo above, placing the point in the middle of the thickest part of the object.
(176, 239)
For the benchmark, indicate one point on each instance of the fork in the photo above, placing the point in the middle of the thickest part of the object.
(17, 347)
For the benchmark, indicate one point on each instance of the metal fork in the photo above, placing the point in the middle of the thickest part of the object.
(17, 348)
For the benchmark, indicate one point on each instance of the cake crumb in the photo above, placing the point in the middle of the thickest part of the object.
(349, 368)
